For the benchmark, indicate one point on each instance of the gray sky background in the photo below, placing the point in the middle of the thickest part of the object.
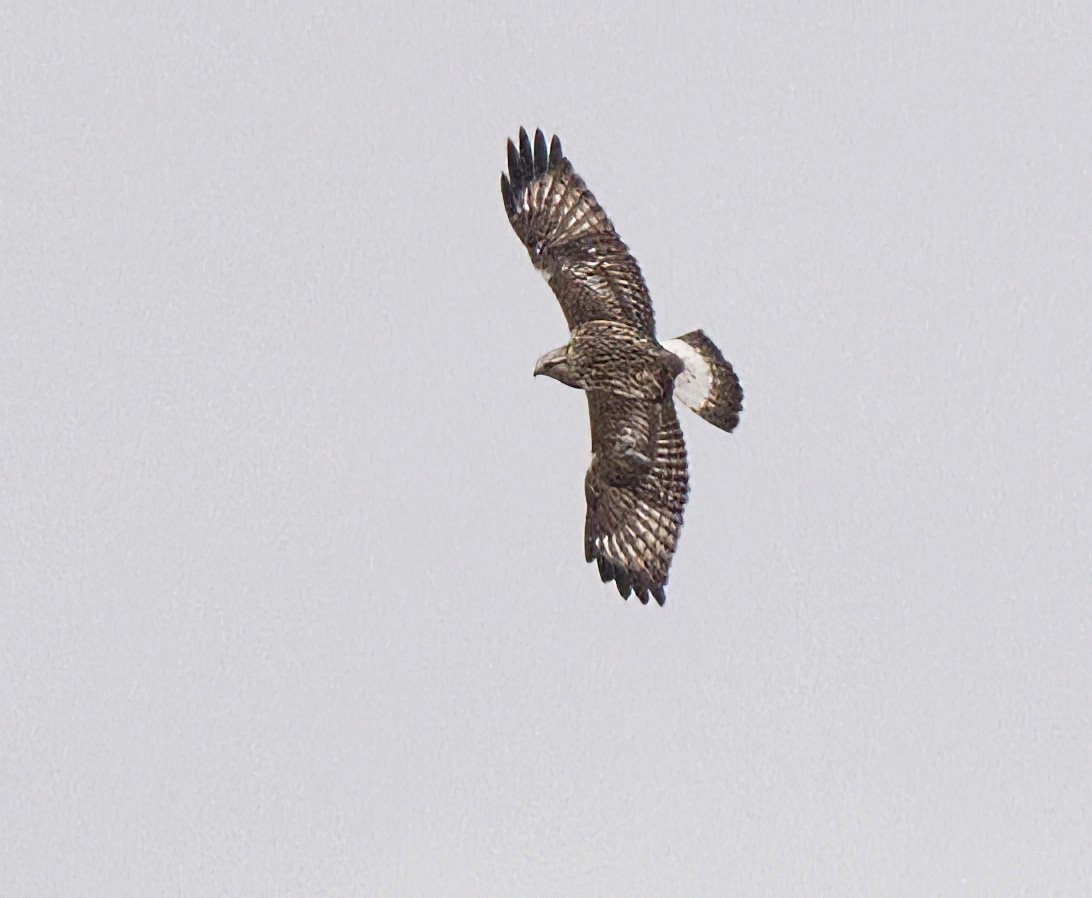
(294, 591)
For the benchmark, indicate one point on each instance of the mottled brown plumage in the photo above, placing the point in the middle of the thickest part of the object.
(636, 486)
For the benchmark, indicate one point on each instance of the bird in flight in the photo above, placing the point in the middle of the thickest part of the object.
(637, 484)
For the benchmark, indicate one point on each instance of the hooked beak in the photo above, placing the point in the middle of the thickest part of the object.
(553, 358)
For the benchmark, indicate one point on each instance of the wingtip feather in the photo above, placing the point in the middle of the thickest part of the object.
(555, 151)
(506, 195)
(627, 581)
(623, 582)
(541, 156)
(513, 162)
(526, 158)
(606, 569)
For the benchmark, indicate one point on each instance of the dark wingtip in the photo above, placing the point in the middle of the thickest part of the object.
(513, 162)
(555, 151)
(527, 161)
(623, 582)
(541, 156)
(506, 195)
(526, 158)
(626, 581)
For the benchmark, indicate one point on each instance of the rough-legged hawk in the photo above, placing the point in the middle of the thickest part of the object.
(636, 486)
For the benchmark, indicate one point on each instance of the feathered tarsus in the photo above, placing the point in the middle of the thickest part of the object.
(636, 486)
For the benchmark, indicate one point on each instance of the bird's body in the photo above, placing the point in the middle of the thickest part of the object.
(611, 357)
(636, 486)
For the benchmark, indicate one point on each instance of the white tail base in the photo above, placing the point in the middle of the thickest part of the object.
(694, 385)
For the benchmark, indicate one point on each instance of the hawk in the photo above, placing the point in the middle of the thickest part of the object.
(636, 486)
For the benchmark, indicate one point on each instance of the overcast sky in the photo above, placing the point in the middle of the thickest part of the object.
(294, 598)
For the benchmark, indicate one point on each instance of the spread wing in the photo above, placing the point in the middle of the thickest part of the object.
(570, 239)
(636, 490)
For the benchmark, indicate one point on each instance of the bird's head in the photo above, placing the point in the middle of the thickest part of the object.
(557, 364)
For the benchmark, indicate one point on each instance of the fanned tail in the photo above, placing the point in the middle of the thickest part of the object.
(707, 384)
